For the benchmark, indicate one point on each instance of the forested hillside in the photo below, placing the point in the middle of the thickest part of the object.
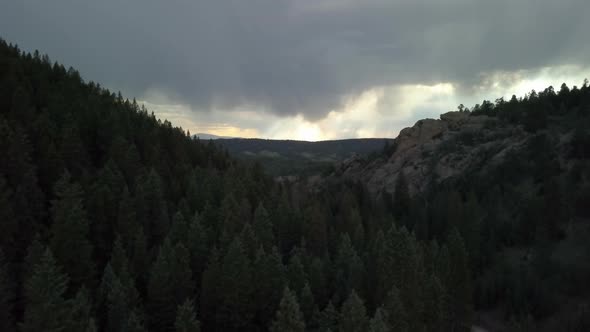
(513, 176)
(116, 221)
(113, 220)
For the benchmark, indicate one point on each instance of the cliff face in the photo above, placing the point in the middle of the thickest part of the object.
(436, 150)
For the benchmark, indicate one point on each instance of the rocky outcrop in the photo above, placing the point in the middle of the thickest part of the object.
(435, 150)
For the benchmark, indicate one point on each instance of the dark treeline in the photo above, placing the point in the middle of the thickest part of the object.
(113, 220)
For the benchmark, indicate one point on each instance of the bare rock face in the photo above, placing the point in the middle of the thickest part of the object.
(435, 150)
(422, 132)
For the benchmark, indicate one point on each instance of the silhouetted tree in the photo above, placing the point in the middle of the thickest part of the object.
(7, 296)
(46, 308)
(186, 319)
(288, 317)
(379, 322)
(353, 316)
(70, 230)
(236, 309)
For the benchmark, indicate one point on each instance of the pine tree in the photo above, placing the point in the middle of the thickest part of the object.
(210, 218)
(127, 225)
(353, 315)
(195, 196)
(170, 284)
(443, 265)
(263, 227)
(198, 246)
(81, 317)
(8, 218)
(394, 311)
(181, 274)
(430, 254)
(315, 228)
(459, 283)
(118, 261)
(186, 319)
(102, 295)
(375, 259)
(249, 241)
(51, 165)
(46, 308)
(308, 306)
(349, 269)
(151, 207)
(69, 240)
(400, 263)
(211, 290)
(358, 237)
(231, 218)
(317, 280)
(379, 322)
(34, 253)
(348, 212)
(7, 296)
(390, 254)
(329, 318)
(179, 230)
(102, 204)
(269, 281)
(435, 304)
(288, 317)
(236, 306)
(72, 151)
(287, 224)
(139, 259)
(118, 294)
(135, 323)
(118, 306)
(296, 274)
(91, 327)
(124, 293)
(22, 106)
(21, 189)
(127, 158)
(184, 209)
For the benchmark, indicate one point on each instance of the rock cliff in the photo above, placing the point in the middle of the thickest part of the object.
(435, 150)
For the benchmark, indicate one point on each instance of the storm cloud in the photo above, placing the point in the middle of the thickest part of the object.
(293, 58)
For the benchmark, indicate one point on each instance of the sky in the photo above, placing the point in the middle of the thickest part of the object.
(308, 69)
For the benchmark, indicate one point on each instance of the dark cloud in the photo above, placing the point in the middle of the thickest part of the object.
(296, 56)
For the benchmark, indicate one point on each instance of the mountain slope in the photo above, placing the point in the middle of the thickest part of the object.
(514, 178)
(114, 220)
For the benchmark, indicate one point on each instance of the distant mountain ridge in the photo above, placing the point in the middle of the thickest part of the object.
(206, 136)
(291, 157)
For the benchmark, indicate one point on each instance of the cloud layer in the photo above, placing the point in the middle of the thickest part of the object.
(311, 60)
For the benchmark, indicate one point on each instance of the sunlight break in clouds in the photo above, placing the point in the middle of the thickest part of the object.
(212, 123)
(383, 111)
(522, 82)
(376, 112)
